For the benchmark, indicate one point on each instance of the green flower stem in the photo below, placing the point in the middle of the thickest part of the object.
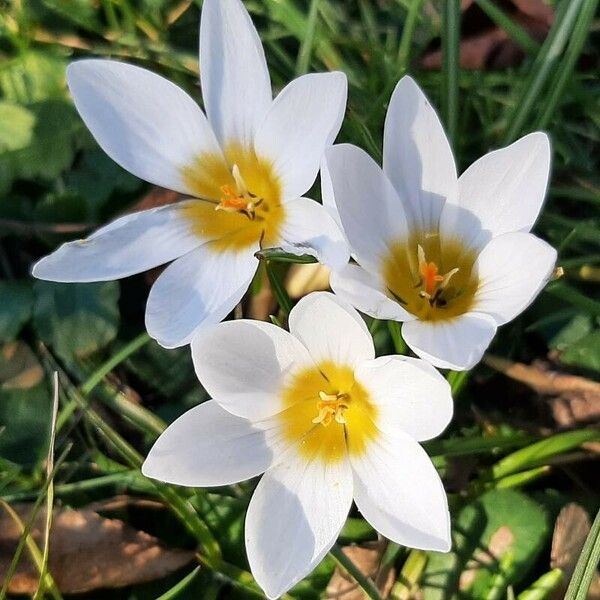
(365, 583)
(399, 344)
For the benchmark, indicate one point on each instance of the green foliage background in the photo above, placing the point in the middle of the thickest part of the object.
(56, 184)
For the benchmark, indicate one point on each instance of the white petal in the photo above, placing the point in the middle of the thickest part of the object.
(304, 119)
(145, 123)
(365, 291)
(458, 343)
(505, 189)
(417, 156)
(294, 517)
(236, 86)
(198, 289)
(513, 268)
(370, 210)
(310, 229)
(131, 244)
(244, 365)
(331, 330)
(400, 494)
(208, 446)
(410, 395)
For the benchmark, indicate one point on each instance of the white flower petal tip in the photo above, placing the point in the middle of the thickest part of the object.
(417, 156)
(456, 344)
(304, 119)
(244, 364)
(147, 124)
(208, 446)
(232, 59)
(197, 290)
(513, 269)
(313, 500)
(411, 396)
(131, 244)
(341, 333)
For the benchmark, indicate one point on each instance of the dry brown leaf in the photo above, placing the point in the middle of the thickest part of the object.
(368, 559)
(570, 532)
(487, 46)
(19, 367)
(303, 279)
(573, 400)
(263, 304)
(87, 552)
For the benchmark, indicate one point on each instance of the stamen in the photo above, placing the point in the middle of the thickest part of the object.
(331, 407)
(431, 280)
(238, 200)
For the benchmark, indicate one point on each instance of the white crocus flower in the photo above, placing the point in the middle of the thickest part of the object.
(326, 422)
(246, 167)
(450, 256)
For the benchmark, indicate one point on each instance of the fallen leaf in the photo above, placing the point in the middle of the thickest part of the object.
(19, 367)
(87, 552)
(368, 559)
(573, 400)
(485, 45)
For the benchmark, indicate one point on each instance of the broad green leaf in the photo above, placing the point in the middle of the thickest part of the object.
(577, 327)
(16, 302)
(54, 140)
(584, 353)
(25, 405)
(16, 126)
(496, 540)
(33, 76)
(76, 319)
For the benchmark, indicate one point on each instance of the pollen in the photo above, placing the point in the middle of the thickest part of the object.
(240, 199)
(328, 414)
(432, 278)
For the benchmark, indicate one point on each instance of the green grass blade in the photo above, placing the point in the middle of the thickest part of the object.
(566, 69)
(307, 44)
(513, 29)
(365, 583)
(586, 565)
(542, 67)
(407, 36)
(539, 453)
(450, 66)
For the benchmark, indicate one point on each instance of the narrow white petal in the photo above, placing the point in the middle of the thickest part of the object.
(131, 244)
(399, 492)
(207, 446)
(410, 395)
(454, 344)
(294, 517)
(310, 229)
(504, 190)
(417, 156)
(198, 289)
(365, 291)
(331, 330)
(236, 86)
(145, 123)
(513, 268)
(244, 365)
(304, 119)
(370, 210)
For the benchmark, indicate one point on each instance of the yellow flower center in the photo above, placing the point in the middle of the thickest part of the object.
(242, 199)
(431, 278)
(327, 413)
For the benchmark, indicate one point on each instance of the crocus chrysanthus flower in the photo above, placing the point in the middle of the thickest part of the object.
(326, 422)
(245, 168)
(451, 257)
